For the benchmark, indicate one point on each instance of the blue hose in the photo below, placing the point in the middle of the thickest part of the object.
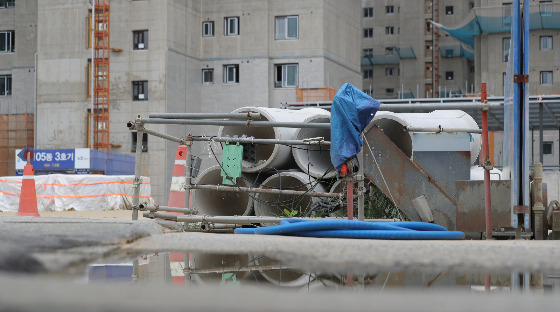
(408, 230)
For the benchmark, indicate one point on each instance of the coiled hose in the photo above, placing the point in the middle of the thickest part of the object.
(406, 230)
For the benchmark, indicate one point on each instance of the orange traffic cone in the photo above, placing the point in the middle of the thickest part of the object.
(177, 192)
(28, 197)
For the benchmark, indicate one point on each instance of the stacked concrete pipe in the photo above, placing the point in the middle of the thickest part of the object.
(274, 204)
(220, 203)
(275, 155)
(394, 126)
(313, 159)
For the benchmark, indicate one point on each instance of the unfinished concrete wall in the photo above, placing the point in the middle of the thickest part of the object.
(20, 64)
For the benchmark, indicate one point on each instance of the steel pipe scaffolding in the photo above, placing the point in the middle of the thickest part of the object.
(242, 116)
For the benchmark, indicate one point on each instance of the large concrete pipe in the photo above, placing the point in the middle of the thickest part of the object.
(220, 203)
(277, 205)
(314, 160)
(273, 155)
(394, 125)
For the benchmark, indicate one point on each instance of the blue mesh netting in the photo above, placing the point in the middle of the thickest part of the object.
(498, 19)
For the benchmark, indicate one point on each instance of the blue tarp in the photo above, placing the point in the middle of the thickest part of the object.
(351, 111)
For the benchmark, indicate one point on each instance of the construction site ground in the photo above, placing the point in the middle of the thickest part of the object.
(40, 258)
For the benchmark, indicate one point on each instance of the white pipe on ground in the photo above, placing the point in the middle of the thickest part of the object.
(393, 125)
(220, 203)
(274, 155)
(312, 159)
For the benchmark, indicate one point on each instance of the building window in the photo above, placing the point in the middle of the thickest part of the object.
(368, 74)
(389, 71)
(472, 69)
(208, 29)
(507, 10)
(505, 48)
(231, 26)
(546, 43)
(367, 51)
(448, 75)
(367, 91)
(231, 73)
(547, 148)
(5, 85)
(471, 5)
(368, 32)
(448, 53)
(449, 10)
(7, 4)
(368, 12)
(140, 39)
(389, 91)
(546, 78)
(287, 27)
(389, 51)
(140, 90)
(7, 41)
(135, 140)
(389, 30)
(389, 9)
(208, 76)
(545, 8)
(428, 71)
(286, 76)
(428, 50)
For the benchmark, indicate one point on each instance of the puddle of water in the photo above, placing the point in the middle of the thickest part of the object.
(192, 269)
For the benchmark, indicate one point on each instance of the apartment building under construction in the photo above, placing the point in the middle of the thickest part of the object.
(163, 56)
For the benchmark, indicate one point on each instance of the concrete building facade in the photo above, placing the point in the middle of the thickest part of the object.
(400, 59)
(195, 56)
(18, 44)
(399, 47)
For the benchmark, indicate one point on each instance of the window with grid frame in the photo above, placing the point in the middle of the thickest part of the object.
(548, 148)
(546, 43)
(140, 90)
(389, 30)
(208, 29)
(389, 9)
(208, 76)
(389, 71)
(368, 32)
(286, 76)
(140, 41)
(505, 48)
(5, 85)
(287, 27)
(231, 73)
(368, 12)
(7, 41)
(231, 26)
(6, 4)
(546, 78)
(368, 74)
